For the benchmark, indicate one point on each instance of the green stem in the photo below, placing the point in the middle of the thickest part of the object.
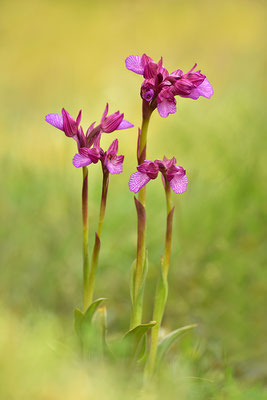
(96, 250)
(85, 238)
(137, 307)
(162, 288)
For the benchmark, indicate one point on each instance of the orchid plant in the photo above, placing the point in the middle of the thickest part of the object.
(89, 151)
(158, 91)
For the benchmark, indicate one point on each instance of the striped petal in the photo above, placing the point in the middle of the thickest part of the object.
(56, 120)
(166, 107)
(204, 89)
(179, 183)
(125, 125)
(114, 165)
(137, 181)
(134, 63)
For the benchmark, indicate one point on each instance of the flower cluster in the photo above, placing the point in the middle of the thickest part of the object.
(171, 172)
(86, 153)
(160, 88)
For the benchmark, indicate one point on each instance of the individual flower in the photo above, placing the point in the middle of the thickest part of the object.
(109, 159)
(113, 122)
(65, 122)
(108, 124)
(171, 172)
(86, 157)
(160, 88)
(145, 172)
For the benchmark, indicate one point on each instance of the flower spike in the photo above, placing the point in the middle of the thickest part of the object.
(159, 87)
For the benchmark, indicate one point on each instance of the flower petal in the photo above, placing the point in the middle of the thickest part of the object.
(56, 120)
(204, 89)
(114, 165)
(81, 159)
(105, 113)
(113, 148)
(150, 168)
(79, 117)
(178, 73)
(166, 107)
(112, 122)
(134, 63)
(96, 142)
(179, 183)
(85, 157)
(70, 126)
(80, 138)
(89, 130)
(125, 125)
(137, 181)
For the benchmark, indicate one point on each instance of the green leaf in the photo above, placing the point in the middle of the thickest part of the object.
(87, 331)
(100, 321)
(134, 339)
(89, 313)
(160, 299)
(165, 344)
(78, 317)
(143, 353)
(139, 331)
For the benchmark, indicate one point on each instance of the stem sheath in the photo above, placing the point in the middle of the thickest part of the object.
(85, 238)
(137, 307)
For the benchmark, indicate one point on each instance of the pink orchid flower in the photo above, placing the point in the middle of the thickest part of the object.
(113, 122)
(65, 122)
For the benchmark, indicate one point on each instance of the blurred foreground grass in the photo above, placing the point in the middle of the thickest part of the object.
(72, 54)
(39, 361)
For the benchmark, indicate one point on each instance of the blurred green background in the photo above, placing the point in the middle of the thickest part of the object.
(71, 54)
